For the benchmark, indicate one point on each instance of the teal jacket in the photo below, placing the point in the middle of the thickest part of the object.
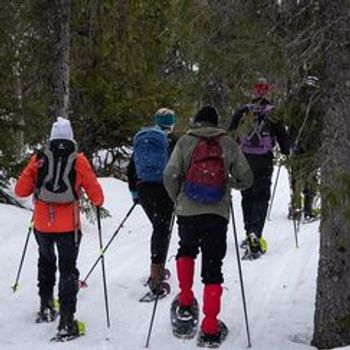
(239, 174)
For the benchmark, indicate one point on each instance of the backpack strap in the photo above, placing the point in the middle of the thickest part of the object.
(257, 129)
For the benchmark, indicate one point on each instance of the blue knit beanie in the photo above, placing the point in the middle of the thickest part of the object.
(165, 118)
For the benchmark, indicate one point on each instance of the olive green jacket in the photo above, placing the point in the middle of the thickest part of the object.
(239, 174)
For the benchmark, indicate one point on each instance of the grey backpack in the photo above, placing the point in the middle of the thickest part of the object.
(56, 173)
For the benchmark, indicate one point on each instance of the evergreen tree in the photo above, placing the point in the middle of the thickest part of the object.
(332, 314)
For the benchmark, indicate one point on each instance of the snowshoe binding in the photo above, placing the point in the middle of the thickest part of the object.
(255, 247)
(69, 331)
(160, 292)
(212, 340)
(48, 312)
(184, 319)
(166, 274)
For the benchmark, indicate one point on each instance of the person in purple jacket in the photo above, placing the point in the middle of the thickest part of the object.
(257, 131)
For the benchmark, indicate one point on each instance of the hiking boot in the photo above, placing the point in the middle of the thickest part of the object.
(161, 289)
(155, 278)
(69, 330)
(310, 214)
(164, 276)
(68, 327)
(156, 281)
(47, 313)
(253, 243)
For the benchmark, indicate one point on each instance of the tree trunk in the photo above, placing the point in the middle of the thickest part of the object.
(60, 72)
(332, 314)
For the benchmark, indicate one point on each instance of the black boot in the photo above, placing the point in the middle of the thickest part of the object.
(48, 312)
(68, 327)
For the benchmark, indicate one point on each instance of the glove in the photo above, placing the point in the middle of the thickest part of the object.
(135, 197)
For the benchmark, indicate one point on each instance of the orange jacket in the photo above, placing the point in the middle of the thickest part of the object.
(59, 218)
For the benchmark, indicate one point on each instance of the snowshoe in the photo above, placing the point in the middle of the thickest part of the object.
(212, 340)
(248, 255)
(253, 243)
(161, 292)
(309, 220)
(69, 332)
(48, 313)
(184, 319)
(244, 244)
(311, 217)
(255, 247)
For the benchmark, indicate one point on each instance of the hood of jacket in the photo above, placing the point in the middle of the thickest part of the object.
(208, 132)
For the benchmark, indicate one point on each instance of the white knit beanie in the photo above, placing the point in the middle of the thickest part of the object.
(61, 129)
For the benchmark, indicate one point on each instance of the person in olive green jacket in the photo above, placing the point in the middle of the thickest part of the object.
(203, 225)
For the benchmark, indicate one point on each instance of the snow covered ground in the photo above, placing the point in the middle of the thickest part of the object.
(280, 287)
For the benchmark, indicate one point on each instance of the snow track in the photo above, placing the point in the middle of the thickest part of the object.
(280, 287)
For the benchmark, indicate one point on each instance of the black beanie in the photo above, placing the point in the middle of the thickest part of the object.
(207, 114)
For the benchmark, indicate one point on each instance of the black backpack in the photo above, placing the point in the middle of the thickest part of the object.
(56, 173)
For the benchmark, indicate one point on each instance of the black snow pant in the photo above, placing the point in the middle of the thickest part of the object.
(206, 232)
(255, 200)
(67, 251)
(158, 207)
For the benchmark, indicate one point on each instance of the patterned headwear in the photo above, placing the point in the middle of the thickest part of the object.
(165, 118)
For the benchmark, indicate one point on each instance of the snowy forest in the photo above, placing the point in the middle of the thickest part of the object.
(108, 65)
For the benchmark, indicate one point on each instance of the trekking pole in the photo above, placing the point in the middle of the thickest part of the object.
(30, 228)
(274, 192)
(241, 277)
(296, 221)
(83, 283)
(157, 295)
(103, 266)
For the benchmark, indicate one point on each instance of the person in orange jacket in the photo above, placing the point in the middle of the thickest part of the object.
(56, 177)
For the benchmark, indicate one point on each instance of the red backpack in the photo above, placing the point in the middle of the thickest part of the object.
(205, 178)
